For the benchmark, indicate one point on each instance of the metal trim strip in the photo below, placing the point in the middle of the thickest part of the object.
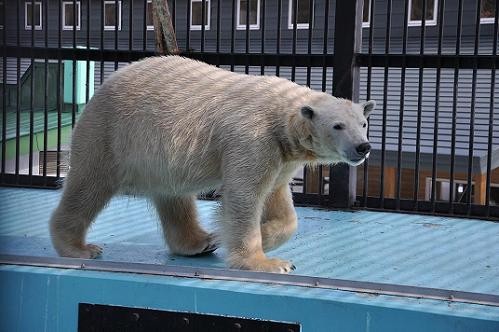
(204, 273)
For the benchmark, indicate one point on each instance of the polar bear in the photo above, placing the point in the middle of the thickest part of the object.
(170, 128)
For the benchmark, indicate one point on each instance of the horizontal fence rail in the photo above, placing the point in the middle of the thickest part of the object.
(429, 64)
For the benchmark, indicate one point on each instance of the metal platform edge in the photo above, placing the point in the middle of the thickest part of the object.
(364, 287)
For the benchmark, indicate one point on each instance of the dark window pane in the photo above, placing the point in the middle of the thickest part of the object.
(2, 8)
(252, 14)
(494, 195)
(488, 9)
(417, 10)
(149, 20)
(110, 14)
(68, 15)
(365, 13)
(303, 13)
(196, 12)
(30, 13)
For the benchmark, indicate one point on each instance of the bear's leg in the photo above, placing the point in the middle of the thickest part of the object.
(279, 220)
(181, 229)
(82, 200)
(241, 233)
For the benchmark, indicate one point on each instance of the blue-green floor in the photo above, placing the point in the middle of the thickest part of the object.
(414, 250)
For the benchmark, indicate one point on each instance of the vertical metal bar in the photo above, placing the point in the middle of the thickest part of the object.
(144, 25)
(102, 8)
(45, 96)
(385, 103)
(472, 112)
(18, 96)
(188, 27)
(454, 105)
(32, 92)
(174, 12)
(369, 81)
(130, 27)
(278, 39)
(247, 33)
(347, 44)
(203, 22)
(491, 112)
(369, 84)
(233, 34)
(73, 102)
(325, 45)
(437, 107)
(219, 27)
(305, 176)
(117, 18)
(402, 102)
(262, 39)
(4, 96)
(293, 45)
(87, 82)
(420, 102)
(58, 97)
(309, 46)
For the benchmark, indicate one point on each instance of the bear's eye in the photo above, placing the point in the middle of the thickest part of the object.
(339, 126)
(364, 125)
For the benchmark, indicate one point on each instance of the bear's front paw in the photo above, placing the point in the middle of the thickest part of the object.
(88, 251)
(262, 264)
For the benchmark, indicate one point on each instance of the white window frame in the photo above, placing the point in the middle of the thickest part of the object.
(486, 20)
(417, 23)
(149, 27)
(2, 13)
(240, 26)
(112, 27)
(78, 15)
(456, 182)
(197, 27)
(368, 23)
(35, 3)
(290, 18)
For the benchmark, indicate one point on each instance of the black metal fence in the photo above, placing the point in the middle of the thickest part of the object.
(429, 64)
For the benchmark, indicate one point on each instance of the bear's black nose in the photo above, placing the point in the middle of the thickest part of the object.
(363, 148)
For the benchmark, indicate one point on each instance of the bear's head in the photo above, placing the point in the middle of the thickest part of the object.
(337, 129)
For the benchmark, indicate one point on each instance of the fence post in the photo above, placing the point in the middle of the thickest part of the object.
(347, 43)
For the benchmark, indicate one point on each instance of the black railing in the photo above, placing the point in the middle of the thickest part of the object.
(435, 132)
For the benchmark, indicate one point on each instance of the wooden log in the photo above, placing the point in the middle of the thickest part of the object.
(166, 41)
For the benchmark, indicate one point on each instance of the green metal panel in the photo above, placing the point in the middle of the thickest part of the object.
(81, 81)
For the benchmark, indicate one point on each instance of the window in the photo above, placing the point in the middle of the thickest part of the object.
(487, 11)
(28, 15)
(2, 13)
(303, 14)
(254, 14)
(416, 12)
(494, 194)
(460, 191)
(110, 21)
(197, 18)
(149, 19)
(366, 13)
(68, 15)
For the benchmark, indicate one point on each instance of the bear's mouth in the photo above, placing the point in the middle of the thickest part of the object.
(356, 160)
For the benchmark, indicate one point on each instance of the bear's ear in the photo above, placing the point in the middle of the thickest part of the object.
(368, 107)
(307, 112)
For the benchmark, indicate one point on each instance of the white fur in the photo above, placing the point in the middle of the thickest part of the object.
(170, 127)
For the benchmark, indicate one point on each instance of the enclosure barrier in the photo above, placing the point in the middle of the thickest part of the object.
(430, 67)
